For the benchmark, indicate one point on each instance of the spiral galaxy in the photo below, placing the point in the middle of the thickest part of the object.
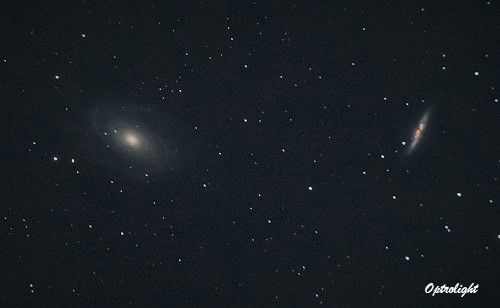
(136, 136)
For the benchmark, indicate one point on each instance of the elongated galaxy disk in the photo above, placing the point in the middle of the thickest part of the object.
(418, 132)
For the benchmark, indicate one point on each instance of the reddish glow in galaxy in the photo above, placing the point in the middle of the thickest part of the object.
(418, 132)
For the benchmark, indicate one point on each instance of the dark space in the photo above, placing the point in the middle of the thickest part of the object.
(249, 153)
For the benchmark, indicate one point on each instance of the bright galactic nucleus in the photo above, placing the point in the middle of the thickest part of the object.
(136, 136)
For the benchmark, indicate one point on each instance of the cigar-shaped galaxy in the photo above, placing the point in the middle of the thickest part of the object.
(419, 131)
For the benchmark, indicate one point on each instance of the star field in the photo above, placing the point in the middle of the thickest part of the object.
(248, 153)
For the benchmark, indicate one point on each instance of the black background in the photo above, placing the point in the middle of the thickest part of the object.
(232, 222)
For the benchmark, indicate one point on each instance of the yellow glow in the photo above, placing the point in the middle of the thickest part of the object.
(132, 139)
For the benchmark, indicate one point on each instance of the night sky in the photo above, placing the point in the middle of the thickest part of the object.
(241, 153)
